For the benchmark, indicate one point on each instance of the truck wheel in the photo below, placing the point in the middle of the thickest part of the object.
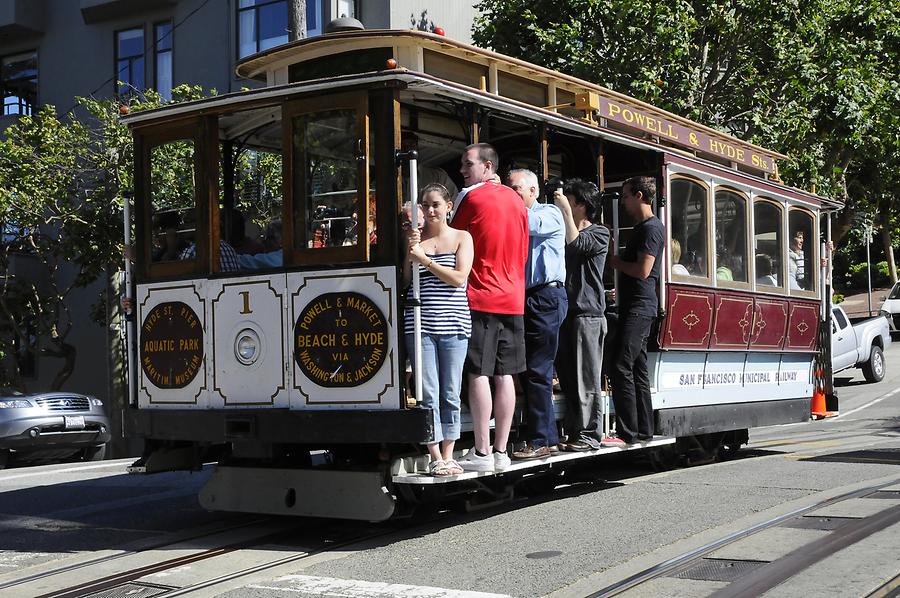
(873, 369)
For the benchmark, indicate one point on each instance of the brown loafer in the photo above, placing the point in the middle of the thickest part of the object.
(530, 452)
(576, 446)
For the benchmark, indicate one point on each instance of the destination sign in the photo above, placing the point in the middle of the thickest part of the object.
(695, 139)
(340, 339)
(171, 345)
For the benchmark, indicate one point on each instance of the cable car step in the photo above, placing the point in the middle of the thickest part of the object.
(359, 495)
(413, 470)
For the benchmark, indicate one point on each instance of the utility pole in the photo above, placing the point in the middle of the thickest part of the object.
(296, 20)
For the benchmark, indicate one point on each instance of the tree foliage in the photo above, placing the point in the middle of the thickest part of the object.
(814, 79)
(63, 180)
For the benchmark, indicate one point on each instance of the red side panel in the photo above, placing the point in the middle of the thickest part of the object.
(733, 321)
(769, 323)
(688, 323)
(803, 326)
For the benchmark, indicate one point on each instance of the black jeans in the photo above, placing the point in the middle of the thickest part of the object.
(631, 382)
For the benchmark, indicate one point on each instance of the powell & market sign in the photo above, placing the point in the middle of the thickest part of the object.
(340, 340)
(695, 139)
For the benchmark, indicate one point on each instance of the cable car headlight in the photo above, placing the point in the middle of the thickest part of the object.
(246, 346)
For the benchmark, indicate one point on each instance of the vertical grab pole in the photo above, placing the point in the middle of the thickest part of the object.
(129, 296)
(831, 399)
(607, 427)
(416, 302)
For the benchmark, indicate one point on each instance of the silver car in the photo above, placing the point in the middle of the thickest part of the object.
(51, 426)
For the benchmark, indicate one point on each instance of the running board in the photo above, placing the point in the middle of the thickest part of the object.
(413, 470)
(358, 495)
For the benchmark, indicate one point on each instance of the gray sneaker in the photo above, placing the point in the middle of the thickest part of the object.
(472, 461)
(501, 461)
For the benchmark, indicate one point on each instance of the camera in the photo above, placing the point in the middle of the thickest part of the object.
(550, 187)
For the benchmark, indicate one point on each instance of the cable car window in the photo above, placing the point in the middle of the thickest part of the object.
(689, 228)
(326, 151)
(768, 243)
(731, 237)
(801, 251)
(173, 207)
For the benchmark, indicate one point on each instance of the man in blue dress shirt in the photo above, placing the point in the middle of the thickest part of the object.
(546, 305)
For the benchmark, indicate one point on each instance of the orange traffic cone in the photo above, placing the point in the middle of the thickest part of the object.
(819, 410)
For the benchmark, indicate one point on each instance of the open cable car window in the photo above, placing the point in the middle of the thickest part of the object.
(690, 228)
(174, 230)
(801, 255)
(768, 260)
(329, 179)
(732, 268)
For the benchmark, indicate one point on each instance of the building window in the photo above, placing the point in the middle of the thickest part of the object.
(130, 60)
(263, 24)
(19, 81)
(162, 52)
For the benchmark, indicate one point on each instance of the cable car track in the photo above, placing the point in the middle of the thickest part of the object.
(112, 582)
(774, 572)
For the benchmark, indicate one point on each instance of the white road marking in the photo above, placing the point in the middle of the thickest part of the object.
(353, 588)
(869, 404)
(107, 465)
(14, 560)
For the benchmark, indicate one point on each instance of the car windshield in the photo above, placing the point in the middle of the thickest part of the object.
(6, 391)
(895, 292)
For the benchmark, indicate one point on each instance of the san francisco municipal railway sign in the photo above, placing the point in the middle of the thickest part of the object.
(171, 345)
(340, 339)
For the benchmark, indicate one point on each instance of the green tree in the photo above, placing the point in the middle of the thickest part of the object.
(63, 181)
(816, 80)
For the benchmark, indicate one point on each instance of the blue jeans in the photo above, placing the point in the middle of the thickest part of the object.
(443, 357)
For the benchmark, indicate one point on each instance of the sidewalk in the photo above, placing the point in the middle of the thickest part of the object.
(857, 304)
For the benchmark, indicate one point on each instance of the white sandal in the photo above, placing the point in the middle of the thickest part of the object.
(436, 467)
(452, 468)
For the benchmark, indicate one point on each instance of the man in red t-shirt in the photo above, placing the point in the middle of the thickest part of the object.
(497, 220)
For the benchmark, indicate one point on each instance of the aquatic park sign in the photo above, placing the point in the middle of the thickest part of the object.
(723, 146)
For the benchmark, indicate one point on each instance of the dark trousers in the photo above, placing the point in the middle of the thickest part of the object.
(545, 310)
(631, 382)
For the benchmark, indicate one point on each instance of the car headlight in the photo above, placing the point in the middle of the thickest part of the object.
(15, 404)
(96, 402)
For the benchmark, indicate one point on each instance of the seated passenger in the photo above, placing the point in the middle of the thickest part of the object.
(796, 266)
(239, 239)
(723, 268)
(166, 247)
(228, 258)
(678, 269)
(764, 273)
(272, 257)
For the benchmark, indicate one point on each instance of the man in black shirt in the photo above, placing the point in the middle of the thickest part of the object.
(638, 307)
(580, 357)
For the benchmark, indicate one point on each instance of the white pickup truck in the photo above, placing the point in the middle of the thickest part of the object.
(859, 345)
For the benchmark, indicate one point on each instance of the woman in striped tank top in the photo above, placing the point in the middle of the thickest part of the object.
(444, 258)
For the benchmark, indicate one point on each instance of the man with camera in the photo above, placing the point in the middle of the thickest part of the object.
(579, 362)
(546, 304)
